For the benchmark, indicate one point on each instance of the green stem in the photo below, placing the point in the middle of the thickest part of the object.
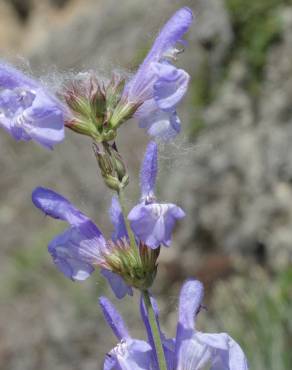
(155, 331)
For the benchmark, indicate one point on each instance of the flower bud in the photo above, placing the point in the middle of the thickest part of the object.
(112, 167)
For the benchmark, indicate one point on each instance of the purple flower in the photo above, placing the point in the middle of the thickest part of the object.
(130, 353)
(158, 84)
(82, 247)
(153, 222)
(194, 349)
(189, 350)
(27, 110)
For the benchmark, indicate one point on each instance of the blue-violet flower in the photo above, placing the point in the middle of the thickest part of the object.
(27, 110)
(158, 85)
(82, 247)
(153, 222)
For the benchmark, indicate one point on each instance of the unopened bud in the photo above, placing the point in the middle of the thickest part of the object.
(111, 166)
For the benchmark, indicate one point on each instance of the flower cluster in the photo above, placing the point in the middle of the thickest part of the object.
(129, 258)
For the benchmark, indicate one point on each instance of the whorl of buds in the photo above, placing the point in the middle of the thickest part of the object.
(112, 167)
(97, 108)
(137, 267)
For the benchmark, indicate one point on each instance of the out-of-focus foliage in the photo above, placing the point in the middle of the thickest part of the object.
(256, 311)
(256, 26)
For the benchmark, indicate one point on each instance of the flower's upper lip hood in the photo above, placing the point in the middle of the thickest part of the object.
(171, 33)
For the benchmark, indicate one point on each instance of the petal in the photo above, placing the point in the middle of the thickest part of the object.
(43, 121)
(34, 113)
(117, 283)
(109, 363)
(148, 107)
(153, 223)
(77, 250)
(148, 171)
(12, 105)
(117, 220)
(161, 125)
(11, 77)
(143, 223)
(190, 300)
(171, 33)
(170, 86)
(237, 358)
(56, 206)
(226, 354)
(141, 84)
(132, 354)
(114, 319)
(193, 355)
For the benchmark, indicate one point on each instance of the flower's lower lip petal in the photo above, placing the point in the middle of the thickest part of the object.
(47, 136)
(72, 268)
(133, 354)
(193, 354)
(228, 351)
(153, 223)
(28, 111)
(44, 120)
(75, 252)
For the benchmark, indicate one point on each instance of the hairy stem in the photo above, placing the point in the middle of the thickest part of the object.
(155, 331)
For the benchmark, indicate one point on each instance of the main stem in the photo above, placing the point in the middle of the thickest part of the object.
(155, 331)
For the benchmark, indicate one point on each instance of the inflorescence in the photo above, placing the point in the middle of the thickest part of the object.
(128, 259)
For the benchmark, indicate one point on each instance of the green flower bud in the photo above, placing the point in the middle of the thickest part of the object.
(111, 166)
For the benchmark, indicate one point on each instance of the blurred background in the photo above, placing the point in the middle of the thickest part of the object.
(231, 170)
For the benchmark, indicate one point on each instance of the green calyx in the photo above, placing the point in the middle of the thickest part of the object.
(112, 167)
(98, 109)
(137, 268)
